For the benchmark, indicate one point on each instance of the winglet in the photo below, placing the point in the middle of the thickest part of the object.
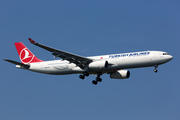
(32, 41)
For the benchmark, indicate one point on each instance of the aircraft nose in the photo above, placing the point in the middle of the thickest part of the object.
(170, 57)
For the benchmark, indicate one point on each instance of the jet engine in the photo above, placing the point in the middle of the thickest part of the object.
(98, 65)
(120, 74)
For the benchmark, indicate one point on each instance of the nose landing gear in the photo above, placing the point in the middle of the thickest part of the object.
(155, 70)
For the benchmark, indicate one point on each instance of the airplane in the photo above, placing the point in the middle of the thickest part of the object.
(114, 64)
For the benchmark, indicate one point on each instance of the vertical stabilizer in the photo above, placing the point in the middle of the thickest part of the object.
(25, 55)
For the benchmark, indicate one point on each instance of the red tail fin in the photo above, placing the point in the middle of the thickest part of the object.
(25, 55)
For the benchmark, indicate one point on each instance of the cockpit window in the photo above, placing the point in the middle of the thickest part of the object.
(165, 54)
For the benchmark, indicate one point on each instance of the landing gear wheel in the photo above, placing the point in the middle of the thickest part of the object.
(155, 70)
(81, 76)
(86, 74)
(99, 79)
(94, 82)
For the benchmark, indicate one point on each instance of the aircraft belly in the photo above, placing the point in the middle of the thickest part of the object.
(57, 69)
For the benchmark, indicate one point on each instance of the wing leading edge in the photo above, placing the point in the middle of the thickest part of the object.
(72, 58)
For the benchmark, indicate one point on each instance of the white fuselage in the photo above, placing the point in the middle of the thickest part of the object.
(115, 62)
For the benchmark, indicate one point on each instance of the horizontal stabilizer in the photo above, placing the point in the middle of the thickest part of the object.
(17, 63)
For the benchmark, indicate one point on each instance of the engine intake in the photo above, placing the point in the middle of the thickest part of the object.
(98, 65)
(120, 74)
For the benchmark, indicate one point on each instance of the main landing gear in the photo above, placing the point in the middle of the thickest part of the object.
(95, 82)
(155, 70)
(83, 76)
(98, 79)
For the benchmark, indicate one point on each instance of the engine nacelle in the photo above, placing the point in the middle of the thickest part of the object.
(98, 65)
(120, 74)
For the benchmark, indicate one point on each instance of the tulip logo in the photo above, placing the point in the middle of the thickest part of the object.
(26, 56)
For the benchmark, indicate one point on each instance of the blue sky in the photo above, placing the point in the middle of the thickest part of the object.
(90, 28)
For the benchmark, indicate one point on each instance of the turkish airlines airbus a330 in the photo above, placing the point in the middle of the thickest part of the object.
(113, 64)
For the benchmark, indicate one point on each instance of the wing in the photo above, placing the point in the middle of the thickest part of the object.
(72, 58)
